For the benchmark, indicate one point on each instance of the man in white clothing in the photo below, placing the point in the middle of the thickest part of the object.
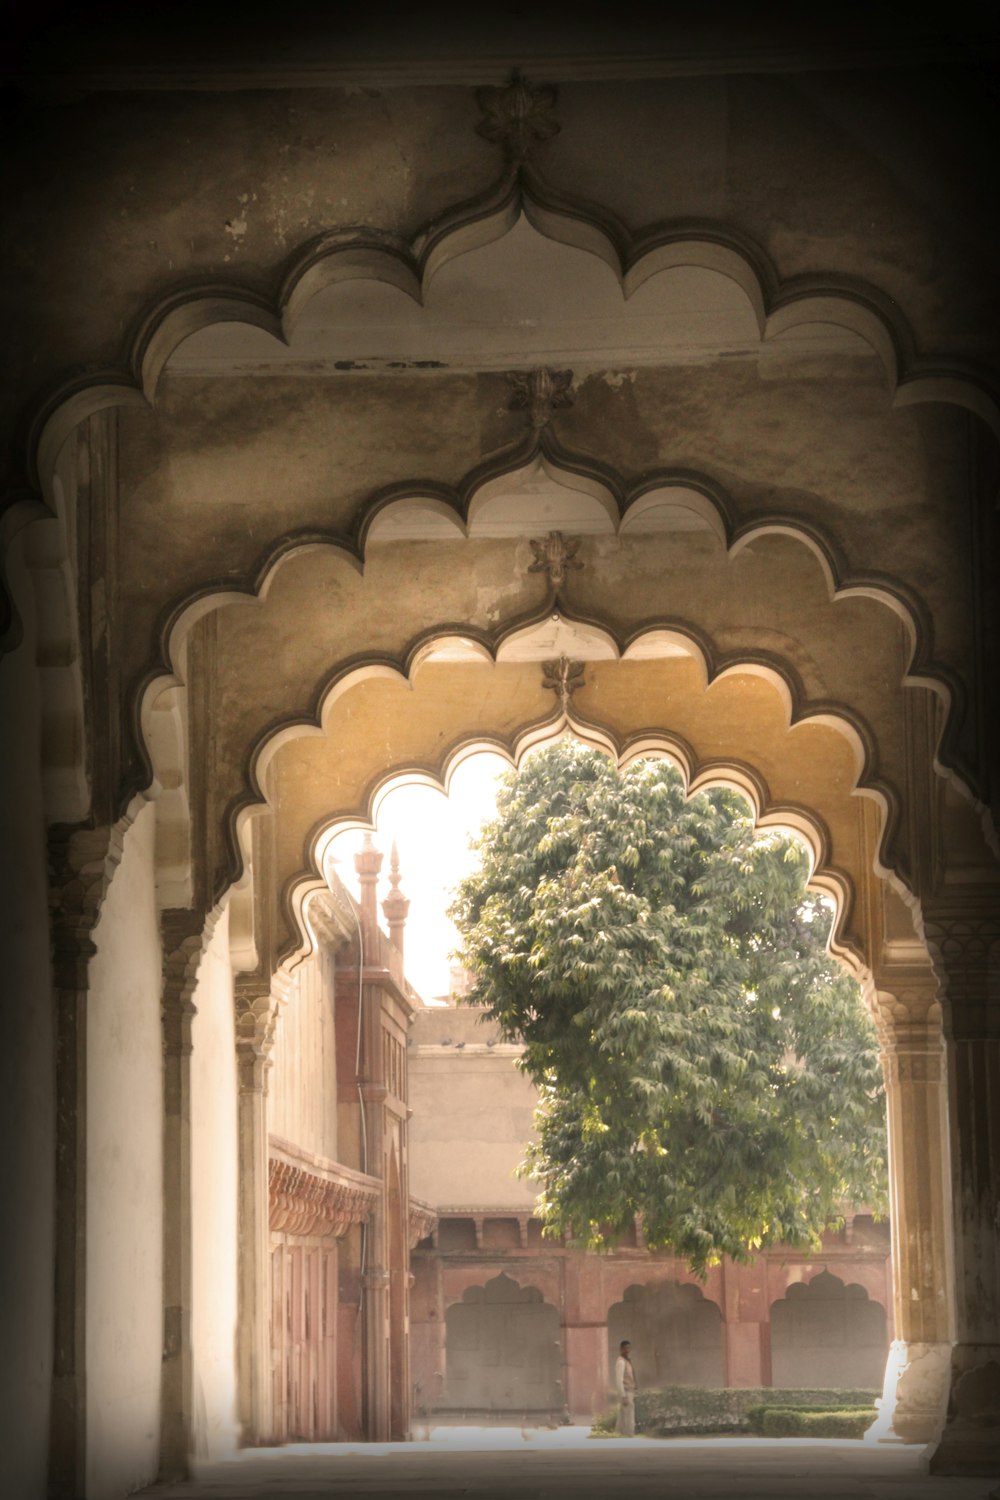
(625, 1386)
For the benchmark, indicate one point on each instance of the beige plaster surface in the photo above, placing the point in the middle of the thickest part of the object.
(472, 1114)
(124, 1218)
(302, 1082)
(214, 1228)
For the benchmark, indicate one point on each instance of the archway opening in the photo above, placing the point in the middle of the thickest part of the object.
(456, 1101)
(828, 1333)
(676, 1333)
(503, 1353)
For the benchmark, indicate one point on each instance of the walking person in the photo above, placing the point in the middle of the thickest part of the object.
(625, 1386)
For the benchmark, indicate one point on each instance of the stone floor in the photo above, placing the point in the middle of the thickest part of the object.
(536, 1464)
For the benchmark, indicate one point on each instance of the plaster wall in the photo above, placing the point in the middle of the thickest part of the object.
(125, 1179)
(214, 1169)
(470, 1122)
(302, 1090)
(27, 1076)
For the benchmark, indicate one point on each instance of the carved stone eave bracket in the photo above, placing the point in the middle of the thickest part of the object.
(311, 1196)
(256, 1021)
(423, 1221)
(81, 866)
(332, 914)
(186, 935)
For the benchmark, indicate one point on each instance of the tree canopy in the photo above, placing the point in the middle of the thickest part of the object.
(700, 1059)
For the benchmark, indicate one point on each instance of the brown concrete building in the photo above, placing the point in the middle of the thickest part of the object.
(317, 341)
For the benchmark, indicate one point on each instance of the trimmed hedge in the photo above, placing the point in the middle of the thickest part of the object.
(693, 1410)
(776, 1421)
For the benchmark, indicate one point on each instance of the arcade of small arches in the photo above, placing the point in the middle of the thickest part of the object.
(507, 1349)
(297, 547)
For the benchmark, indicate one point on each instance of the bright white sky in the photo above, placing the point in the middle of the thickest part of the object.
(432, 832)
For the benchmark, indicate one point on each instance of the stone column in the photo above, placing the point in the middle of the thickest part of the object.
(255, 1019)
(376, 1415)
(185, 937)
(82, 862)
(375, 1275)
(963, 936)
(916, 1381)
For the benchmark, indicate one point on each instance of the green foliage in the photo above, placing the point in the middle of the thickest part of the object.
(790, 1421)
(700, 1060)
(692, 1410)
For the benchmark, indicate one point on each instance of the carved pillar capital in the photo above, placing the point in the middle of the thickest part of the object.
(82, 862)
(256, 1019)
(185, 935)
(963, 938)
(908, 1021)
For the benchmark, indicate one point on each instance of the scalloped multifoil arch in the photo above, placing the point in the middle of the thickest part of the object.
(371, 253)
(684, 487)
(731, 771)
(802, 822)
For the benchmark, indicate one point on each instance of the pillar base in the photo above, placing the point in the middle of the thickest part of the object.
(914, 1393)
(970, 1442)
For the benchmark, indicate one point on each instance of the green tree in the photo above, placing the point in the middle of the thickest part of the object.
(700, 1060)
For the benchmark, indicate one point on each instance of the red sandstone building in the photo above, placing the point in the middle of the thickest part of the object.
(409, 1277)
(504, 1320)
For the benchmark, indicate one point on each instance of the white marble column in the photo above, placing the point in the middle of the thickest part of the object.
(964, 939)
(915, 1391)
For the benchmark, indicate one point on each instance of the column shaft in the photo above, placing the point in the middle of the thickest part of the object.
(177, 1372)
(964, 940)
(375, 1279)
(916, 1383)
(253, 1343)
(82, 862)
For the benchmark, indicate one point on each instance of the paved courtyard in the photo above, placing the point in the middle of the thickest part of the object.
(538, 1464)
